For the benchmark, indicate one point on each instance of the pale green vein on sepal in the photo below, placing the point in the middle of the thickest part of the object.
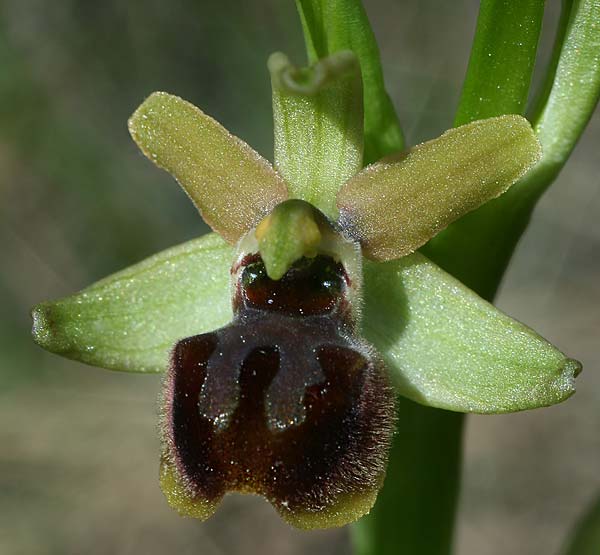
(318, 123)
(131, 320)
(448, 348)
(333, 25)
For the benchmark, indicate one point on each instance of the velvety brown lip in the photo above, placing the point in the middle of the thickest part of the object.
(284, 402)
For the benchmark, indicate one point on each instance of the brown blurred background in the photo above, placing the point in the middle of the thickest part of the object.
(78, 445)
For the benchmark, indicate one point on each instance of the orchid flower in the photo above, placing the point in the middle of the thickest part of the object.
(287, 334)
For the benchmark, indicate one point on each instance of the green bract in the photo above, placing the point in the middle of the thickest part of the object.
(442, 344)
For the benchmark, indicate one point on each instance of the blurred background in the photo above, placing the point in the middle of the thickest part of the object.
(78, 445)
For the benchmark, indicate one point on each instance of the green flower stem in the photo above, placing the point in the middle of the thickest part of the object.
(334, 25)
(541, 96)
(414, 513)
(502, 59)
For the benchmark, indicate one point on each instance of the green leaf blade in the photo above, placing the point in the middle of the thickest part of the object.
(334, 25)
(502, 59)
(131, 320)
(232, 186)
(450, 349)
(318, 126)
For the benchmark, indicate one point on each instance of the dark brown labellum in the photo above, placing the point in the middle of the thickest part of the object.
(284, 402)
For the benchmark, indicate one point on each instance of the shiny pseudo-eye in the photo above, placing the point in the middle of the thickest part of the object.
(286, 401)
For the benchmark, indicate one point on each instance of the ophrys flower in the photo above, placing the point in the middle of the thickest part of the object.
(282, 341)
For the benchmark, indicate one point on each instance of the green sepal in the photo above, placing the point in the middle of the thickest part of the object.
(318, 122)
(396, 205)
(448, 348)
(232, 186)
(131, 320)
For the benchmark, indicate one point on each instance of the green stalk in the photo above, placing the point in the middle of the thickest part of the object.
(502, 59)
(415, 510)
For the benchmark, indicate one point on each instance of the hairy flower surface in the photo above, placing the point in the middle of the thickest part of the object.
(287, 339)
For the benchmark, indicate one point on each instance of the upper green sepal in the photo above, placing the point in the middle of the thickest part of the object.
(448, 348)
(132, 319)
(318, 118)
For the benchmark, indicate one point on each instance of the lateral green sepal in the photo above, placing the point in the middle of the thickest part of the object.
(448, 348)
(131, 320)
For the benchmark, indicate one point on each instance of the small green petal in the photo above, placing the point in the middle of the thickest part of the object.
(131, 320)
(232, 186)
(395, 206)
(318, 126)
(448, 348)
